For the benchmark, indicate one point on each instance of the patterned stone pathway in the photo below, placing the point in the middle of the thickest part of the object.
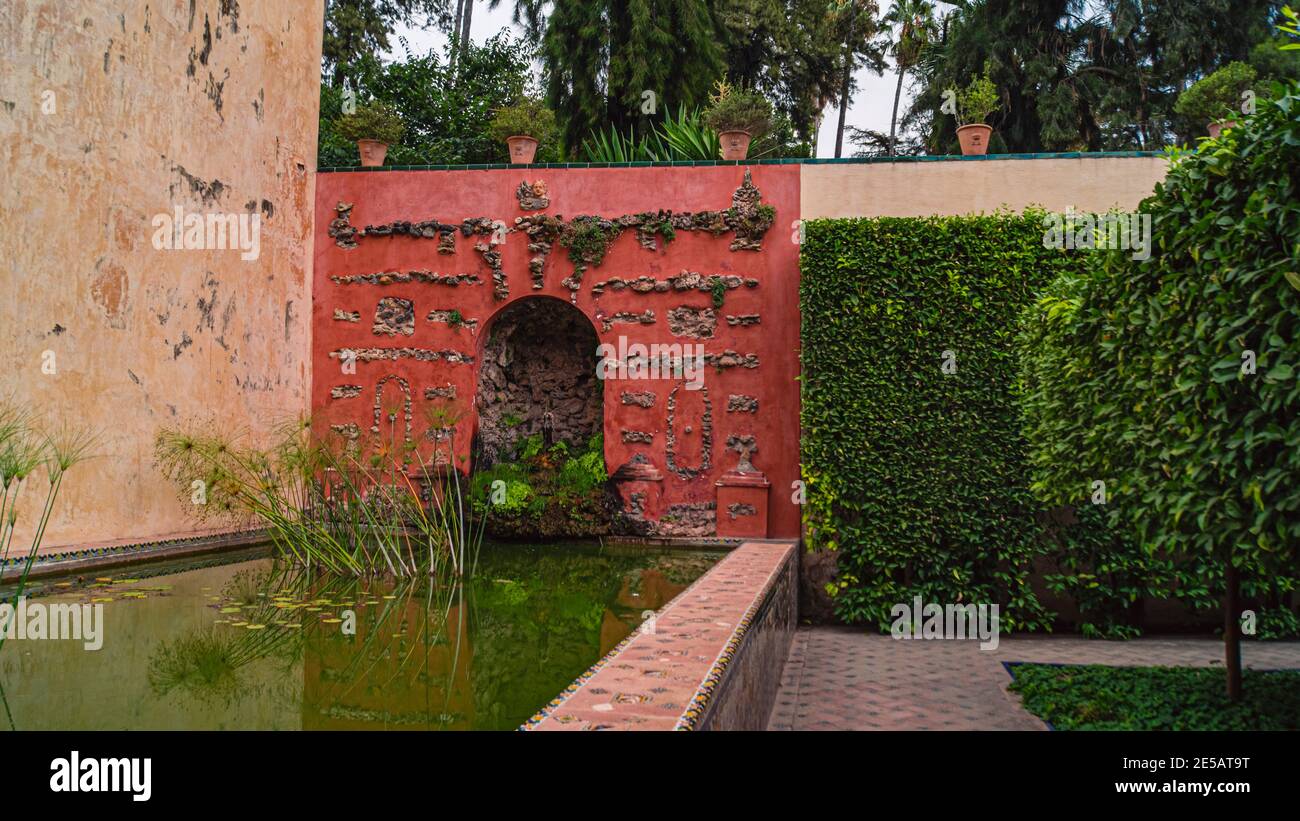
(841, 678)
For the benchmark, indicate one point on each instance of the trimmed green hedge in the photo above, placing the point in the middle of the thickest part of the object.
(919, 477)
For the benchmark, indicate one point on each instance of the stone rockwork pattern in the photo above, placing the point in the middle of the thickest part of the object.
(706, 437)
(542, 232)
(390, 413)
(345, 391)
(688, 520)
(397, 277)
(452, 317)
(743, 320)
(646, 317)
(740, 403)
(538, 377)
(749, 217)
(737, 509)
(685, 281)
(392, 354)
(344, 235)
(731, 359)
(341, 315)
(349, 430)
(696, 323)
(644, 399)
(393, 316)
(638, 436)
(447, 392)
(488, 227)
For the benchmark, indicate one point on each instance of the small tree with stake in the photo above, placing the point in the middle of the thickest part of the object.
(1176, 379)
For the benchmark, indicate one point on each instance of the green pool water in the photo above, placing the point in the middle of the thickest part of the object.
(261, 644)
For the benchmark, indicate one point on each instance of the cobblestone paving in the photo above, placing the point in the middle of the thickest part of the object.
(839, 678)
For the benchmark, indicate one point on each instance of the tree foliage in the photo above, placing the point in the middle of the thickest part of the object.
(1176, 379)
(447, 111)
(1077, 75)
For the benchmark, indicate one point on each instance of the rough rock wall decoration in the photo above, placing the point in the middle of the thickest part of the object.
(706, 436)
(642, 399)
(685, 281)
(391, 412)
(393, 316)
(452, 317)
(740, 403)
(542, 232)
(399, 278)
(696, 323)
(345, 391)
(646, 317)
(341, 315)
(390, 354)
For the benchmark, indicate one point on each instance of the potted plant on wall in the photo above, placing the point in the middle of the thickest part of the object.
(974, 104)
(1215, 99)
(374, 126)
(740, 116)
(522, 126)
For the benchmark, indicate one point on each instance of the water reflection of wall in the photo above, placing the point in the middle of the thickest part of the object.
(407, 668)
(650, 592)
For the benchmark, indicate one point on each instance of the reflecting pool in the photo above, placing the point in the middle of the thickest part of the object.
(259, 643)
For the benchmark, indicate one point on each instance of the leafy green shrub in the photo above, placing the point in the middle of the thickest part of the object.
(1174, 379)
(529, 117)
(447, 110)
(1107, 576)
(372, 121)
(1093, 697)
(977, 100)
(736, 108)
(1217, 96)
(917, 476)
(684, 137)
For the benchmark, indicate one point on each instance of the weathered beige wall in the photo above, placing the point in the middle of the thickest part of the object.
(918, 189)
(114, 111)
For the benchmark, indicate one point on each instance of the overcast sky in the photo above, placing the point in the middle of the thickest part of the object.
(870, 107)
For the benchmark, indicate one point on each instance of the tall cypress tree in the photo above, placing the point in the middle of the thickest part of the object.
(601, 56)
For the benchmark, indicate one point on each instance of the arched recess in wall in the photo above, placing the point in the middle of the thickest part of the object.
(536, 376)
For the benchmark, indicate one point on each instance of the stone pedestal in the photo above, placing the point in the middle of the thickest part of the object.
(639, 485)
(742, 504)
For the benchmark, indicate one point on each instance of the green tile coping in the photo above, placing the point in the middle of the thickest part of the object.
(47, 559)
(1069, 155)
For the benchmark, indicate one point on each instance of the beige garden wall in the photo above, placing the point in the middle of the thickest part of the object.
(113, 112)
(956, 186)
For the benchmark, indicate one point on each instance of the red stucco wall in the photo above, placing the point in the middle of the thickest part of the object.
(452, 196)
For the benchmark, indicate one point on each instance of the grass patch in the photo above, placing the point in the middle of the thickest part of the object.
(1096, 697)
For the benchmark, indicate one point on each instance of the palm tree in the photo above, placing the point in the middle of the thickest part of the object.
(916, 28)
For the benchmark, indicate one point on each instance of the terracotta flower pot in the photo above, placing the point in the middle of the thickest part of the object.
(974, 138)
(372, 152)
(522, 150)
(735, 144)
(1218, 128)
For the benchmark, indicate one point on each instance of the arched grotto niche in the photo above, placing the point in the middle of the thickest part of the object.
(538, 377)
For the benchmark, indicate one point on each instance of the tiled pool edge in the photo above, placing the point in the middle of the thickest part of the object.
(713, 661)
